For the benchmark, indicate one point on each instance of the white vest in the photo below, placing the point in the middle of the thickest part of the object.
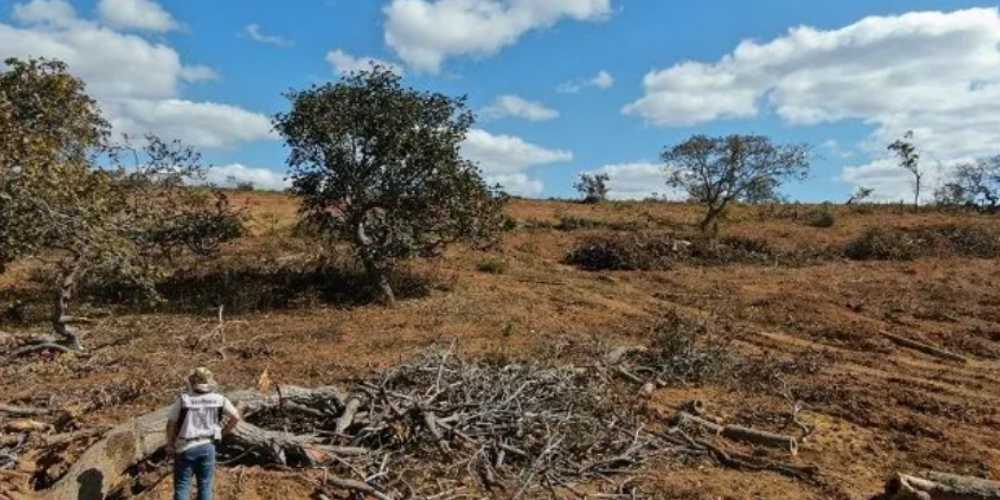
(201, 414)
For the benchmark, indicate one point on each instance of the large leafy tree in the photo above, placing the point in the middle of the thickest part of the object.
(379, 165)
(716, 171)
(70, 198)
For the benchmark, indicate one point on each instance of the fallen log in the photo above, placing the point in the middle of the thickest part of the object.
(940, 486)
(23, 411)
(740, 433)
(103, 466)
(924, 348)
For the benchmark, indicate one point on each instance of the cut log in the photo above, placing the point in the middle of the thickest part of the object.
(940, 486)
(103, 466)
(924, 348)
(23, 411)
(740, 433)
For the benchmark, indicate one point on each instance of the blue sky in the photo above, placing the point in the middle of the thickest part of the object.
(561, 86)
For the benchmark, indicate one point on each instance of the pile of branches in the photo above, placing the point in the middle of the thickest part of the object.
(441, 424)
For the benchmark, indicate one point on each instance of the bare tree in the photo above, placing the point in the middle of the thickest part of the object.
(860, 194)
(718, 170)
(910, 160)
(973, 184)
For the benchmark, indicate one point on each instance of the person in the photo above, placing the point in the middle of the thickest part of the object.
(194, 423)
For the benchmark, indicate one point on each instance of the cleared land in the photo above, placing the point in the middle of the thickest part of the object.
(811, 325)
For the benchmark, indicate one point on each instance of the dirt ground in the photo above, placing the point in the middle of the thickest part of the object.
(877, 407)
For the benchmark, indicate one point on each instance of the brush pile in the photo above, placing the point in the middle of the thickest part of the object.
(441, 424)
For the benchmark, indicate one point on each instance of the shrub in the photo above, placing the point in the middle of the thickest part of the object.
(908, 244)
(573, 223)
(821, 218)
(492, 265)
(623, 252)
(879, 243)
(687, 353)
(245, 186)
(731, 249)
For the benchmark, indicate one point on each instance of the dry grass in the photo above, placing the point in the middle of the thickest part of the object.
(811, 331)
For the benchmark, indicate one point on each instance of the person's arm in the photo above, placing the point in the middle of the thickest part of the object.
(232, 416)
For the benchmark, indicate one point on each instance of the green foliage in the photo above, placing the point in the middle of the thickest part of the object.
(379, 165)
(492, 265)
(716, 171)
(66, 193)
(593, 187)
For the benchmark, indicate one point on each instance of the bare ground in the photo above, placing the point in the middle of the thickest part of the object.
(878, 407)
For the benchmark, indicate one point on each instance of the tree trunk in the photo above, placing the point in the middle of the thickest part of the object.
(709, 225)
(377, 276)
(70, 275)
(940, 486)
(103, 466)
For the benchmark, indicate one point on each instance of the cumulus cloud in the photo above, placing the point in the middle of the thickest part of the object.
(637, 181)
(146, 97)
(506, 159)
(204, 124)
(515, 107)
(55, 12)
(602, 80)
(255, 34)
(136, 14)
(345, 63)
(426, 32)
(237, 173)
(937, 73)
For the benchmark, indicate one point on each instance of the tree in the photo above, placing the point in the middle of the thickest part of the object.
(860, 194)
(974, 184)
(593, 187)
(910, 160)
(718, 170)
(379, 165)
(68, 198)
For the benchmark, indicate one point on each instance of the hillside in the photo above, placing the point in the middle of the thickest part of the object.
(801, 322)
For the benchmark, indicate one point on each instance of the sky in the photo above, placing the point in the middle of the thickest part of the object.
(560, 87)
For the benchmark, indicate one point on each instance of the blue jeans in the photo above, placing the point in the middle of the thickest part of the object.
(200, 462)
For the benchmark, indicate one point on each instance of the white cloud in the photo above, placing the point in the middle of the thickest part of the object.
(345, 63)
(937, 73)
(255, 34)
(55, 12)
(516, 107)
(505, 159)
(602, 80)
(136, 82)
(638, 180)
(203, 124)
(426, 32)
(136, 14)
(235, 173)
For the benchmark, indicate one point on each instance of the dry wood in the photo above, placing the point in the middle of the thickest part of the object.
(103, 465)
(347, 418)
(742, 434)
(24, 411)
(940, 486)
(924, 348)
